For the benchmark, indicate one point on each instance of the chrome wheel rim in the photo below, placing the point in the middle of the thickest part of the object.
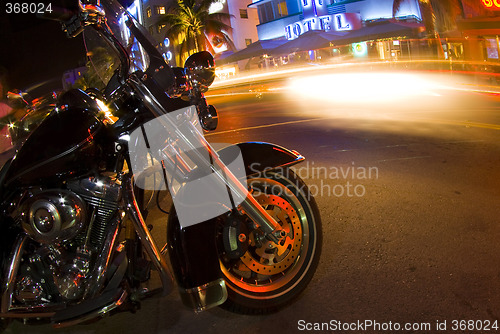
(266, 270)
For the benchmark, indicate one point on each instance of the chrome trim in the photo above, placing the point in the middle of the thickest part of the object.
(96, 280)
(11, 273)
(164, 250)
(147, 241)
(92, 9)
(206, 296)
(67, 220)
(96, 314)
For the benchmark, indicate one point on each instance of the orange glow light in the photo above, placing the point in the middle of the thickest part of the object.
(491, 4)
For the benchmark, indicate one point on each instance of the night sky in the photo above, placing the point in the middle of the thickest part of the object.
(33, 50)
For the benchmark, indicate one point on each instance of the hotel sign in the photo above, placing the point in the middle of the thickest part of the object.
(313, 8)
(316, 17)
(335, 22)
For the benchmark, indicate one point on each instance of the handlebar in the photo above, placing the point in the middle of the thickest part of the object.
(69, 19)
(56, 14)
(159, 78)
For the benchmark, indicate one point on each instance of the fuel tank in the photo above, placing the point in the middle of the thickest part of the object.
(64, 144)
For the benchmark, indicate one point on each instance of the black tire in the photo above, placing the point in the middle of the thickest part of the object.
(265, 280)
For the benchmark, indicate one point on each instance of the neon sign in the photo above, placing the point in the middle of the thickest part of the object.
(314, 8)
(316, 17)
(491, 4)
(336, 22)
(360, 49)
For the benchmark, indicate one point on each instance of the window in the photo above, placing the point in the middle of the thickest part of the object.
(151, 30)
(160, 27)
(282, 9)
(272, 10)
(248, 41)
(243, 14)
(148, 12)
(265, 12)
(491, 48)
(160, 10)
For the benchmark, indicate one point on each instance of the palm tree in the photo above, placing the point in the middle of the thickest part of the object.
(438, 15)
(189, 23)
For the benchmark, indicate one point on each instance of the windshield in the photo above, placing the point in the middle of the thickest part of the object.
(102, 60)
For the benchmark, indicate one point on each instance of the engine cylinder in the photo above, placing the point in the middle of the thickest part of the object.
(53, 216)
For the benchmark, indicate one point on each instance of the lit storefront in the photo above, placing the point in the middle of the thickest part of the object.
(291, 18)
(482, 38)
(481, 30)
(363, 28)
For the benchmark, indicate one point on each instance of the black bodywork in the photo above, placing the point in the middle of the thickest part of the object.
(65, 144)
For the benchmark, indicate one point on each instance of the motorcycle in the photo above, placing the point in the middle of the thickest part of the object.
(243, 233)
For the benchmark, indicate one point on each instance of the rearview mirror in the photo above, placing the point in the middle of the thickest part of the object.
(200, 70)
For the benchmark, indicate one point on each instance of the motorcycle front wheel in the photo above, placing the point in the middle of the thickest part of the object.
(269, 276)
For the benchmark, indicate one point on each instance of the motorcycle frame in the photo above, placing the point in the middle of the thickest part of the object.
(251, 152)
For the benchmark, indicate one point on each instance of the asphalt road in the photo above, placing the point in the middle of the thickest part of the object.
(409, 193)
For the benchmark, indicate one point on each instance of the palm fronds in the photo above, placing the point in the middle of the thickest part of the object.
(189, 22)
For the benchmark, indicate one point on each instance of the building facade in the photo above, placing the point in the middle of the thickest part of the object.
(480, 30)
(291, 18)
(478, 25)
(148, 13)
(244, 22)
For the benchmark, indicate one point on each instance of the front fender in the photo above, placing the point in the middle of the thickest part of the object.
(193, 250)
(195, 262)
(259, 157)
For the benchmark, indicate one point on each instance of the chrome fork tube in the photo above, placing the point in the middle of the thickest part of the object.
(11, 273)
(250, 205)
(146, 239)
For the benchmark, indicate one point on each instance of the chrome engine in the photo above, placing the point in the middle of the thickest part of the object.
(53, 216)
(72, 230)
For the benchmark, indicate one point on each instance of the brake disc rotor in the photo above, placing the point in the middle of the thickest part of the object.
(271, 258)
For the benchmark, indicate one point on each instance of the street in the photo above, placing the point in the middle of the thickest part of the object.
(409, 193)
